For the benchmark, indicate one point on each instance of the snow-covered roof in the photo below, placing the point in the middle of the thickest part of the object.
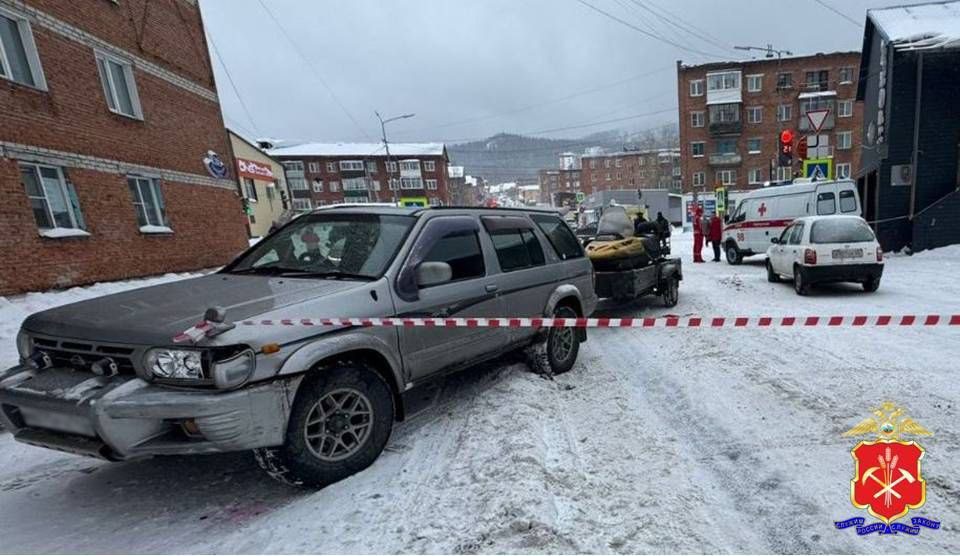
(359, 149)
(920, 27)
(455, 171)
(817, 94)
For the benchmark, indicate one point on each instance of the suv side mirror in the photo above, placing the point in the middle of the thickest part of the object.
(433, 273)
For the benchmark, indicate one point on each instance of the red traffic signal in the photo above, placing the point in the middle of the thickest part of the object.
(786, 137)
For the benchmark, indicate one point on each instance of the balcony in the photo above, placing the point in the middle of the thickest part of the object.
(726, 128)
(725, 159)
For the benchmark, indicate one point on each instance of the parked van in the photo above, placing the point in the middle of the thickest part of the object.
(763, 214)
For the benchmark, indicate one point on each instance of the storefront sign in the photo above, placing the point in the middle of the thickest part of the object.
(255, 170)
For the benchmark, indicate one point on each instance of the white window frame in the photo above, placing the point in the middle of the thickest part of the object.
(758, 77)
(750, 112)
(435, 202)
(314, 167)
(696, 88)
(784, 173)
(844, 140)
(299, 203)
(758, 151)
(351, 166)
(75, 228)
(784, 112)
(429, 166)
(843, 170)
(246, 191)
(29, 49)
(410, 165)
(334, 186)
(371, 166)
(331, 167)
(841, 113)
(153, 184)
(755, 176)
(698, 118)
(392, 167)
(702, 152)
(317, 186)
(431, 184)
(111, 88)
(411, 183)
(394, 184)
(699, 179)
(726, 177)
(844, 69)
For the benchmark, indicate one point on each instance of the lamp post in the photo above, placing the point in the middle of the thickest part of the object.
(769, 52)
(386, 145)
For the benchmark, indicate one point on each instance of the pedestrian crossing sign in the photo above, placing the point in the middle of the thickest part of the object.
(818, 168)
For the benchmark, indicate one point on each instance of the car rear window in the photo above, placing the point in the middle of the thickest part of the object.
(559, 235)
(840, 230)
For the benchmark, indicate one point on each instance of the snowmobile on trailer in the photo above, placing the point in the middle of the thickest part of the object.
(628, 266)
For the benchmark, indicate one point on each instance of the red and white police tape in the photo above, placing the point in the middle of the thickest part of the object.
(198, 331)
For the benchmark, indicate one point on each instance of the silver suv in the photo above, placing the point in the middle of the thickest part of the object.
(104, 377)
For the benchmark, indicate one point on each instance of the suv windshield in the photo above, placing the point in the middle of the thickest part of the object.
(357, 246)
(840, 230)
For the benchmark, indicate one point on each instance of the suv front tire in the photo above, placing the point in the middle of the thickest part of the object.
(340, 422)
(563, 344)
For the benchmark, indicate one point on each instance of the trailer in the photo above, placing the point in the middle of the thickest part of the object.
(661, 278)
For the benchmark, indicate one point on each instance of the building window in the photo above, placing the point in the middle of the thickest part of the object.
(429, 165)
(410, 165)
(725, 146)
(432, 184)
(846, 75)
(724, 113)
(843, 171)
(371, 167)
(318, 186)
(394, 184)
(697, 148)
(52, 198)
(618, 163)
(784, 173)
(696, 88)
(606, 163)
(351, 166)
(723, 81)
(593, 164)
(699, 178)
(301, 204)
(249, 189)
(784, 112)
(411, 183)
(755, 176)
(754, 114)
(608, 176)
(818, 80)
(375, 185)
(148, 201)
(434, 202)
(844, 140)
(331, 167)
(354, 184)
(391, 167)
(753, 145)
(726, 177)
(697, 118)
(19, 60)
(754, 83)
(785, 80)
(334, 186)
(116, 76)
(845, 108)
(314, 167)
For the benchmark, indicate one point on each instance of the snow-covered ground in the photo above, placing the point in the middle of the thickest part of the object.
(659, 440)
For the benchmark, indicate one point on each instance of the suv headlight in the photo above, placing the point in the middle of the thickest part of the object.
(175, 364)
(24, 345)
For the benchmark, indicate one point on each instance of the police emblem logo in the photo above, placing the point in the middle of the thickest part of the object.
(887, 480)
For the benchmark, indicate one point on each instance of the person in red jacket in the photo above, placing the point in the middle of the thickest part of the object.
(716, 235)
(697, 234)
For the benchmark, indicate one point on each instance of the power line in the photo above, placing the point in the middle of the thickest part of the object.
(838, 12)
(314, 70)
(689, 25)
(645, 32)
(677, 23)
(233, 85)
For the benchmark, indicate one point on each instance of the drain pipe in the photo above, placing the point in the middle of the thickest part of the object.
(915, 159)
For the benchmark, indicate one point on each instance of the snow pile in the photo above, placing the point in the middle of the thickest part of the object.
(921, 27)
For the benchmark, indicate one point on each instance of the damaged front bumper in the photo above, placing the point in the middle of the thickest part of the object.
(125, 417)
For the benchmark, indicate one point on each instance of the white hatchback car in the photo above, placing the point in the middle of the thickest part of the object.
(822, 249)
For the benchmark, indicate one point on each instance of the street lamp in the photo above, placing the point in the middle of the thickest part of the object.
(386, 145)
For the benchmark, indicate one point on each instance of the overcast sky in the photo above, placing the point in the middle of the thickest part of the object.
(472, 68)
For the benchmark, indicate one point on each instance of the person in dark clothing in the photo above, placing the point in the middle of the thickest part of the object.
(663, 225)
(716, 235)
(641, 226)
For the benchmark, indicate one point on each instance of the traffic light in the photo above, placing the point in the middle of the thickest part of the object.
(786, 148)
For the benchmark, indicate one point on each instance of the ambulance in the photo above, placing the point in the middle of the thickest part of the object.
(763, 214)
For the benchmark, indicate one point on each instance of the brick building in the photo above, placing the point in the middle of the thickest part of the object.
(731, 114)
(321, 174)
(114, 159)
(641, 169)
(558, 187)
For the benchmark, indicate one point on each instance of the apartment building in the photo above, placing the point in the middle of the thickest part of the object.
(321, 174)
(732, 113)
(640, 169)
(559, 187)
(114, 159)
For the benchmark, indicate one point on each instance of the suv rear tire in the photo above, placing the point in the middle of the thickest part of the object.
(563, 344)
(734, 256)
(340, 422)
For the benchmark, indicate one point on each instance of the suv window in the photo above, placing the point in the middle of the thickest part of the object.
(797, 234)
(564, 243)
(826, 203)
(848, 203)
(460, 250)
(517, 249)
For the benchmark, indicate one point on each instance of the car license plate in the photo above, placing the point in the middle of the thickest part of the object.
(60, 422)
(847, 253)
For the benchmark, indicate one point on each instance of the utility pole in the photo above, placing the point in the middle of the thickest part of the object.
(386, 146)
(769, 52)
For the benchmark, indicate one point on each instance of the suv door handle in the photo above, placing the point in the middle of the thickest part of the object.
(491, 288)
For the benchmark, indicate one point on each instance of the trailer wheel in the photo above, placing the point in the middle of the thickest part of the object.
(670, 292)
